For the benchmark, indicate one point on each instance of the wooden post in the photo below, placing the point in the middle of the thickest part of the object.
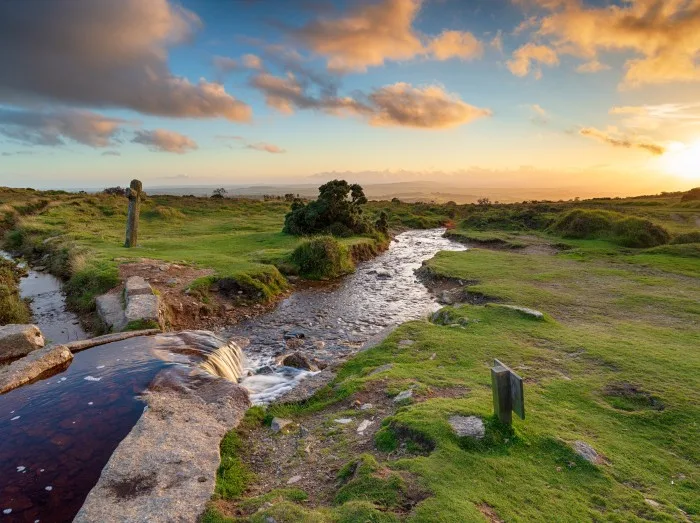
(500, 383)
(508, 393)
(132, 219)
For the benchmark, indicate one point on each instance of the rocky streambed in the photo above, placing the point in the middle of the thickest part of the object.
(86, 426)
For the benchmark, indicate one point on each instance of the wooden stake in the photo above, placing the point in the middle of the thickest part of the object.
(502, 404)
(132, 219)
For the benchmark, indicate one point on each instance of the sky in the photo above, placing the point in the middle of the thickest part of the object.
(602, 95)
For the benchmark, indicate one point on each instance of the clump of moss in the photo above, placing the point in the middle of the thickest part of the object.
(322, 257)
(365, 480)
(138, 325)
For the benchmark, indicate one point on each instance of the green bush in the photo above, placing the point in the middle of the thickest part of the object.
(322, 257)
(628, 231)
(688, 237)
(88, 283)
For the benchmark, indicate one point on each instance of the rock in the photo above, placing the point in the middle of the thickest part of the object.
(384, 274)
(525, 310)
(652, 503)
(154, 474)
(381, 368)
(294, 343)
(588, 453)
(366, 406)
(32, 366)
(363, 426)
(288, 335)
(343, 421)
(17, 340)
(319, 345)
(280, 424)
(141, 303)
(468, 426)
(110, 309)
(406, 343)
(298, 361)
(265, 369)
(403, 396)
(293, 479)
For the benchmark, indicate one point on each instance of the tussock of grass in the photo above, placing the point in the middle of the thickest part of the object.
(13, 309)
(322, 257)
(688, 237)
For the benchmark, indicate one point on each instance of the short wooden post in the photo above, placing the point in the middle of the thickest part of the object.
(132, 219)
(500, 383)
(508, 393)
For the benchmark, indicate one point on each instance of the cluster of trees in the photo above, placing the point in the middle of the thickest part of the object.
(337, 211)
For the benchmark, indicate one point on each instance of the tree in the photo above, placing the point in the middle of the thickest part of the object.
(338, 210)
(485, 202)
(382, 223)
(219, 193)
(115, 191)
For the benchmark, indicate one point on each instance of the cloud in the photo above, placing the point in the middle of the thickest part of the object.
(266, 147)
(103, 53)
(651, 117)
(663, 36)
(53, 128)
(593, 66)
(523, 58)
(225, 65)
(162, 140)
(366, 36)
(429, 107)
(111, 153)
(456, 44)
(18, 153)
(252, 61)
(369, 34)
(539, 114)
(497, 41)
(616, 139)
(400, 104)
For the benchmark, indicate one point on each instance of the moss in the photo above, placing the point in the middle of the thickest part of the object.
(141, 324)
(365, 512)
(232, 476)
(364, 480)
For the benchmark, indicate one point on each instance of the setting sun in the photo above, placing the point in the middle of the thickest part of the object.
(683, 160)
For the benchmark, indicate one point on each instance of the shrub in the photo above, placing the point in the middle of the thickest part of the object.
(338, 209)
(691, 195)
(322, 257)
(688, 237)
(637, 232)
(584, 224)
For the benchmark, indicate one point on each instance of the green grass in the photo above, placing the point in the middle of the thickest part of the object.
(13, 309)
(614, 364)
(322, 257)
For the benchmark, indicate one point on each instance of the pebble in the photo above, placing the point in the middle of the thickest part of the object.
(366, 406)
(363, 426)
(402, 396)
(343, 421)
(293, 479)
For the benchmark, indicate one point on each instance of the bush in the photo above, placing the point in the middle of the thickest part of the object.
(322, 257)
(688, 237)
(692, 195)
(628, 231)
(509, 217)
(338, 211)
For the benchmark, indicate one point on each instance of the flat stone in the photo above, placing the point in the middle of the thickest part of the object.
(406, 343)
(156, 472)
(293, 479)
(279, 424)
(137, 285)
(33, 365)
(17, 340)
(383, 273)
(468, 426)
(403, 396)
(381, 368)
(363, 426)
(298, 361)
(343, 421)
(587, 452)
(110, 309)
(525, 310)
(366, 406)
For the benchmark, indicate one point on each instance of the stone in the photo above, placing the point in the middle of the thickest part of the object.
(294, 343)
(298, 361)
(363, 426)
(295, 333)
(17, 340)
(293, 479)
(381, 368)
(343, 421)
(132, 219)
(154, 474)
(468, 426)
(587, 452)
(406, 343)
(403, 396)
(383, 274)
(265, 369)
(280, 424)
(525, 310)
(652, 503)
(35, 364)
(366, 406)
(110, 309)
(141, 303)
(319, 345)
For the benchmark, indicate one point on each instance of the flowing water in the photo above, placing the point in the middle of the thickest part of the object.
(345, 315)
(57, 434)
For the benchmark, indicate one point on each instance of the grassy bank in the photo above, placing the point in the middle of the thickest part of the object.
(613, 364)
(80, 237)
(13, 309)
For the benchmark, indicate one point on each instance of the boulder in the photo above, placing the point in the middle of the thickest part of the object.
(34, 365)
(110, 309)
(141, 303)
(17, 340)
(403, 396)
(298, 361)
(280, 424)
(526, 311)
(468, 426)
(588, 453)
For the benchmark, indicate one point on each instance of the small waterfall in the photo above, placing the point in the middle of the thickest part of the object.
(225, 362)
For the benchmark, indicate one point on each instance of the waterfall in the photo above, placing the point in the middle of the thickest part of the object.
(225, 362)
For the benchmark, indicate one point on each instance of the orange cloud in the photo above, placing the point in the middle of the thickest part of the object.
(105, 54)
(456, 44)
(265, 147)
(523, 58)
(162, 140)
(370, 34)
(665, 36)
(614, 138)
(594, 66)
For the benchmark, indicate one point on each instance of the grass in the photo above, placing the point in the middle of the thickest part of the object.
(614, 364)
(322, 257)
(13, 309)
(241, 240)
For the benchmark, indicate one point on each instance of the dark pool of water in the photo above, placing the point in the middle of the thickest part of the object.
(56, 435)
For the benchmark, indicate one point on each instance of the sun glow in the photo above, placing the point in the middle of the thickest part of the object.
(683, 160)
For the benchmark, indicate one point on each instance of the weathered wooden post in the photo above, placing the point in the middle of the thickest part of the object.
(508, 395)
(132, 218)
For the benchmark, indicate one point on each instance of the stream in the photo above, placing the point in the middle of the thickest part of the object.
(57, 434)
